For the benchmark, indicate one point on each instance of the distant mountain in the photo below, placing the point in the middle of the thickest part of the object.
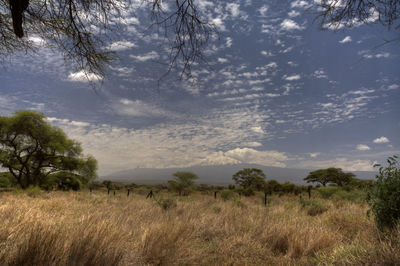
(215, 174)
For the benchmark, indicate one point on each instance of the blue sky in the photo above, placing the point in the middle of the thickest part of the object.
(276, 91)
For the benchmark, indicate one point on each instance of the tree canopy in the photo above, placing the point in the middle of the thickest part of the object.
(79, 29)
(250, 177)
(330, 175)
(183, 182)
(32, 149)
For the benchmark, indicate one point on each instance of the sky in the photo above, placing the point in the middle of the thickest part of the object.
(275, 90)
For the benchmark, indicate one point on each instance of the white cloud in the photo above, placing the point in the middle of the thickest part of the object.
(381, 140)
(234, 9)
(320, 74)
(263, 10)
(290, 25)
(368, 55)
(293, 14)
(363, 147)
(393, 87)
(346, 39)
(299, 4)
(219, 24)
(228, 42)
(83, 76)
(314, 154)
(139, 108)
(145, 57)
(344, 163)
(120, 45)
(222, 60)
(293, 77)
(247, 155)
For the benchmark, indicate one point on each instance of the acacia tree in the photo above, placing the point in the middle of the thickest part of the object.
(184, 181)
(330, 175)
(31, 149)
(250, 177)
(67, 25)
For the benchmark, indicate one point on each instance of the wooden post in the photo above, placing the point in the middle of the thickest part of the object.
(265, 198)
(128, 192)
(215, 194)
(309, 192)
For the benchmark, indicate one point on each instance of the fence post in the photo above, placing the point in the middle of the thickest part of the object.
(215, 194)
(128, 192)
(265, 198)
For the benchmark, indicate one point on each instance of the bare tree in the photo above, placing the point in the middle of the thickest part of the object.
(338, 13)
(80, 28)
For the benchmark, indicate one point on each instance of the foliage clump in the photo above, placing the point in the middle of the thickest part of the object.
(384, 198)
(183, 183)
(228, 194)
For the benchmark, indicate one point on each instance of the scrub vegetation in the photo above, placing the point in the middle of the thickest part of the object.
(83, 228)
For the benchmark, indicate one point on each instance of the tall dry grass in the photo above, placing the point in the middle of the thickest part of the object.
(63, 228)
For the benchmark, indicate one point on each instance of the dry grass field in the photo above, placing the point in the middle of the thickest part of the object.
(79, 228)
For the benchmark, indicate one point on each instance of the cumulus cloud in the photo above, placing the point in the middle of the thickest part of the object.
(120, 45)
(381, 140)
(292, 77)
(363, 147)
(346, 39)
(83, 76)
(290, 25)
(299, 4)
(146, 57)
(139, 108)
(314, 154)
(170, 144)
(234, 9)
(247, 155)
(263, 10)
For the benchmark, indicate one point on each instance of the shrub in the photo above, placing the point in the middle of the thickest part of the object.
(227, 194)
(313, 207)
(384, 198)
(31, 191)
(327, 192)
(166, 204)
(5, 182)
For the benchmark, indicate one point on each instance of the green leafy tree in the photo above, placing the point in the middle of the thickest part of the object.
(330, 175)
(184, 182)
(5, 182)
(250, 178)
(32, 149)
(384, 198)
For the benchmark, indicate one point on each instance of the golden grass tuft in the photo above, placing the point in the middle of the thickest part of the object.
(78, 228)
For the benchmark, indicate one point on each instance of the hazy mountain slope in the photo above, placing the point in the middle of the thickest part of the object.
(216, 174)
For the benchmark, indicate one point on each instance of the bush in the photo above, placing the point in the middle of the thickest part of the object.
(31, 191)
(313, 207)
(327, 192)
(227, 194)
(384, 198)
(5, 182)
(166, 204)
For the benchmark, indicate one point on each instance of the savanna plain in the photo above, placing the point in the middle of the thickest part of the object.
(96, 228)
